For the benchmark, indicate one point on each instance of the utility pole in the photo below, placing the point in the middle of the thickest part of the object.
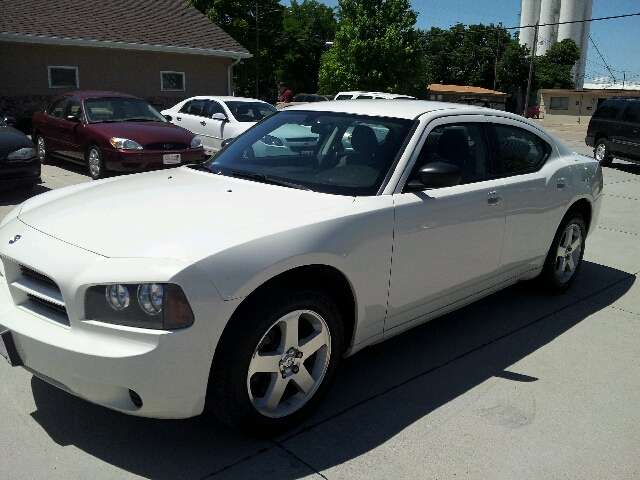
(257, 50)
(533, 55)
(495, 66)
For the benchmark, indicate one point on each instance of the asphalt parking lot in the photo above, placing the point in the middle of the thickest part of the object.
(519, 385)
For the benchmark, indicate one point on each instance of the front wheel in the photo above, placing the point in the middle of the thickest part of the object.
(602, 153)
(275, 361)
(95, 163)
(565, 255)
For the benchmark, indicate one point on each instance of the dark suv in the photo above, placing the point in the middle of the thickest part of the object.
(614, 130)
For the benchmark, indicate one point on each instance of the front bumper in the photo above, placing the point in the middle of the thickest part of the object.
(101, 362)
(14, 174)
(145, 160)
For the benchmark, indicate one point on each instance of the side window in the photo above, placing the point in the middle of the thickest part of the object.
(461, 144)
(632, 113)
(212, 107)
(55, 109)
(72, 108)
(193, 107)
(609, 109)
(519, 151)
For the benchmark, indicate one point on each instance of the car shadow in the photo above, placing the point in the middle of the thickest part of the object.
(378, 392)
(18, 195)
(632, 168)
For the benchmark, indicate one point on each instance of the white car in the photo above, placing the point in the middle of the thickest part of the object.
(360, 95)
(215, 119)
(237, 286)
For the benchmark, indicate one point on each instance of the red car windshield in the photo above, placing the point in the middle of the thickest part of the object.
(113, 109)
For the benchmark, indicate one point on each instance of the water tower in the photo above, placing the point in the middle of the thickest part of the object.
(552, 16)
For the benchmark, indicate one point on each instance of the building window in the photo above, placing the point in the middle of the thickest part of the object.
(63, 77)
(559, 103)
(172, 81)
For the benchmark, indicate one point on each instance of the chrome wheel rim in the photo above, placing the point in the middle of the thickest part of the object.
(569, 251)
(289, 363)
(600, 152)
(41, 148)
(94, 162)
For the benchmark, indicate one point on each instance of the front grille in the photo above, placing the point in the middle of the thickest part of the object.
(166, 146)
(35, 292)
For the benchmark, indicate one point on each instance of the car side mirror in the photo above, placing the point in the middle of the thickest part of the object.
(436, 175)
(168, 117)
(9, 121)
(73, 118)
(219, 116)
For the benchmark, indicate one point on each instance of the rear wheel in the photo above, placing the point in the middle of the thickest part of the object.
(602, 153)
(95, 163)
(565, 255)
(275, 361)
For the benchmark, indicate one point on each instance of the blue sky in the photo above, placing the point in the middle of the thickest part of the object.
(617, 40)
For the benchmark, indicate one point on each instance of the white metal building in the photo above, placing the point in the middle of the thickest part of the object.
(554, 16)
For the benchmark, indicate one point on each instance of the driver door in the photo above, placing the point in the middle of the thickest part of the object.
(447, 241)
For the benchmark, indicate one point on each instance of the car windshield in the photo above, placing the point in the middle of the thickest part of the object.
(327, 152)
(112, 109)
(250, 111)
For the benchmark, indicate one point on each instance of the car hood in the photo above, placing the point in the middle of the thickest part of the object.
(12, 140)
(175, 213)
(143, 132)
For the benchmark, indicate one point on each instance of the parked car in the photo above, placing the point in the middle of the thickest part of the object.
(532, 112)
(109, 131)
(302, 98)
(215, 119)
(614, 130)
(237, 286)
(359, 95)
(19, 162)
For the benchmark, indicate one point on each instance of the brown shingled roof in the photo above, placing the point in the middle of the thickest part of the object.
(437, 87)
(159, 23)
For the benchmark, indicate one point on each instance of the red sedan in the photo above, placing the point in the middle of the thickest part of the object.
(110, 131)
(532, 112)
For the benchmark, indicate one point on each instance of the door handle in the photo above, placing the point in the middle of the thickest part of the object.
(203, 123)
(178, 118)
(494, 197)
(561, 183)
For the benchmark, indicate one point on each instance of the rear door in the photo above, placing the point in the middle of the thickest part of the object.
(630, 130)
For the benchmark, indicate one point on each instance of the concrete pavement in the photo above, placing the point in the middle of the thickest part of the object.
(519, 385)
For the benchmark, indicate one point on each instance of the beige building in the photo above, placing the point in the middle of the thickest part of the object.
(163, 51)
(469, 95)
(575, 106)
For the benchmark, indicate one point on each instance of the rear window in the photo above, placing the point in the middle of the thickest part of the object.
(632, 112)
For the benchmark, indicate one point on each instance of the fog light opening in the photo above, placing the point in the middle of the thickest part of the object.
(135, 398)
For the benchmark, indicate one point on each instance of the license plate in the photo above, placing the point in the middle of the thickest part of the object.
(8, 348)
(171, 158)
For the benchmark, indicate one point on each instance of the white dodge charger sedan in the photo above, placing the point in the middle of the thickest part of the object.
(216, 119)
(237, 286)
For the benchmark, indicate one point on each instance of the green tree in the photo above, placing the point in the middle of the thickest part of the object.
(259, 33)
(553, 69)
(305, 29)
(376, 47)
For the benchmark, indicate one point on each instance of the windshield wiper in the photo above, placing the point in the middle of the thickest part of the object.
(258, 177)
(140, 119)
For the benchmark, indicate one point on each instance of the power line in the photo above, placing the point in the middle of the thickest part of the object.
(605, 62)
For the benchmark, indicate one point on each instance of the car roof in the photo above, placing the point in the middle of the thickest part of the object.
(83, 94)
(409, 109)
(222, 98)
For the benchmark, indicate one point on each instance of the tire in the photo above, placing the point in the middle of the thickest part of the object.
(602, 153)
(565, 255)
(41, 148)
(263, 383)
(95, 163)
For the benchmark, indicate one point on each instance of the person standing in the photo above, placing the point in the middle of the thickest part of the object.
(285, 94)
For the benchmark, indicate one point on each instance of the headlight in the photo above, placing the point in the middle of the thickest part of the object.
(22, 154)
(271, 140)
(124, 144)
(161, 306)
(196, 142)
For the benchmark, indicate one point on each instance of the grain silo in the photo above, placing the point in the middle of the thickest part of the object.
(558, 19)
